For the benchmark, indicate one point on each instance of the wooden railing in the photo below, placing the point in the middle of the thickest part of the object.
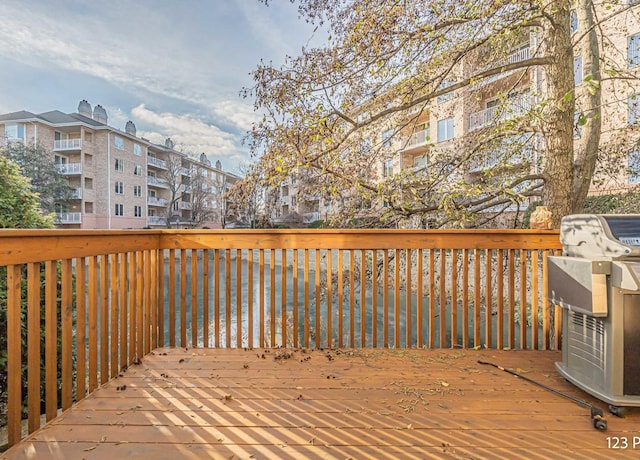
(109, 297)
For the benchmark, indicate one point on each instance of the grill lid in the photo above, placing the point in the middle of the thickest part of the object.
(600, 236)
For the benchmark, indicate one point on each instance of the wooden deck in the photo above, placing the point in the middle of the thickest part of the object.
(217, 403)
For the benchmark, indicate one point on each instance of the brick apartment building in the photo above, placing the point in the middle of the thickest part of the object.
(452, 116)
(122, 180)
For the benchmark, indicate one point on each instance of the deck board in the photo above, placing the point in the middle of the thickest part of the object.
(213, 403)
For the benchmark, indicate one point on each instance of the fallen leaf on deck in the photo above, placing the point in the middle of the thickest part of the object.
(89, 448)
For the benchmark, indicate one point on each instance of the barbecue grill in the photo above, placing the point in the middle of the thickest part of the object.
(597, 283)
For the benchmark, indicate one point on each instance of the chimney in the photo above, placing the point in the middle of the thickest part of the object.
(219, 165)
(168, 143)
(100, 114)
(84, 108)
(130, 128)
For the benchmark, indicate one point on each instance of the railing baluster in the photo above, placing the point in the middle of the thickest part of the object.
(385, 298)
(81, 329)
(93, 324)
(262, 306)
(239, 298)
(147, 301)
(172, 298)
(374, 298)
(14, 354)
(183, 296)
(557, 318)
(161, 298)
(66, 323)
(272, 297)
(104, 318)
(153, 283)
(443, 298)
(33, 345)
(51, 340)
(523, 299)
(396, 298)
(454, 298)
(216, 293)
(432, 298)
(318, 341)
(124, 310)
(511, 291)
(477, 298)
(408, 264)
(194, 298)
(465, 298)
(488, 302)
(205, 295)
(546, 323)
(363, 300)
(420, 306)
(296, 339)
(283, 297)
(329, 299)
(352, 299)
(340, 298)
(133, 309)
(227, 297)
(534, 299)
(500, 299)
(139, 269)
(114, 297)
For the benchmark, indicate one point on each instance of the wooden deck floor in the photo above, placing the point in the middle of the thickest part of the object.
(357, 404)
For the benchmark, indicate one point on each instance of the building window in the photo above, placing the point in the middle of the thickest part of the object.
(573, 21)
(88, 207)
(137, 149)
(445, 129)
(88, 137)
(137, 190)
(387, 138)
(634, 50)
(88, 159)
(387, 168)
(137, 211)
(119, 209)
(447, 96)
(88, 183)
(120, 188)
(118, 142)
(577, 70)
(14, 132)
(634, 167)
(634, 109)
(137, 170)
(119, 164)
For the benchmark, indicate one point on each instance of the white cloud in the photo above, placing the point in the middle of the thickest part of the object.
(238, 113)
(189, 134)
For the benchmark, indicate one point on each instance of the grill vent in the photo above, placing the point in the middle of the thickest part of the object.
(586, 343)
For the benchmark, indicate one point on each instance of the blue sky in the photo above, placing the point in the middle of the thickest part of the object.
(174, 67)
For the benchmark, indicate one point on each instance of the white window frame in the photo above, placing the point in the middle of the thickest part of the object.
(633, 115)
(119, 209)
(119, 188)
(137, 170)
(446, 129)
(633, 50)
(13, 132)
(119, 166)
(634, 167)
(137, 190)
(578, 72)
(137, 211)
(118, 142)
(137, 149)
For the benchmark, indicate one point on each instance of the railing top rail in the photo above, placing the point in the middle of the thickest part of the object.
(23, 246)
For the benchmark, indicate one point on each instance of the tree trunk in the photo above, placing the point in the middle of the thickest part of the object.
(558, 113)
(588, 99)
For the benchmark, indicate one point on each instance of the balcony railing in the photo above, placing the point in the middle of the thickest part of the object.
(153, 201)
(153, 161)
(186, 171)
(70, 168)
(67, 144)
(156, 220)
(155, 182)
(417, 139)
(77, 193)
(113, 296)
(496, 114)
(309, 217)
(185, 205)
(69, 217)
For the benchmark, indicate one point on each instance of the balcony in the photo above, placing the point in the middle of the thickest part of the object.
(155, 182)
(153, 161)
(493, 115)
(186, 352)
(185, 205)
(70, 169)
(309, 217)
(186, 171)
(521, 53)
(153, 201)
(69, 218)
(156, 220)
(77, 193)
(418, 140)
(67, 144)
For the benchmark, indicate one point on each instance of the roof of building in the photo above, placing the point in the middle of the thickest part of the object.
(20, 115)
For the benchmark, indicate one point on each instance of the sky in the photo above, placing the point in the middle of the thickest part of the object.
(173, 67)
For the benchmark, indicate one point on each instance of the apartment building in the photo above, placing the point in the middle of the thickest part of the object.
(444, 123)
(122, 180)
